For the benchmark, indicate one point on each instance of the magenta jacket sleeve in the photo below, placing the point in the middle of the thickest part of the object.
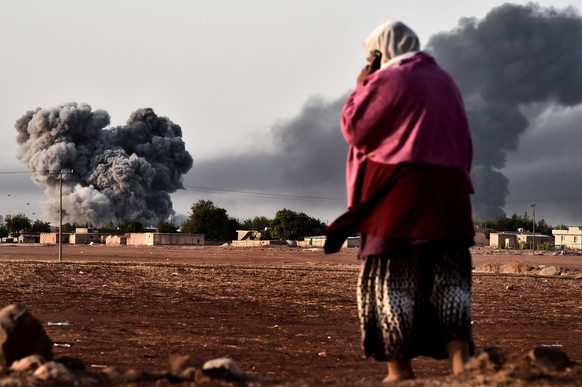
(368, 111)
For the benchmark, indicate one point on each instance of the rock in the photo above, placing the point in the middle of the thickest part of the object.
(189, 373)
(72, 363)
(553, 359)
(179, 363)
(29, 363)
(52, 370)
(11, 382)
(222, 368)
(509, 287)
(114, 374)
(21, 335)
(491, 358)
(550, 271)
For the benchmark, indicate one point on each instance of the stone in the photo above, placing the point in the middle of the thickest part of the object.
(179, 363)
(53, 370)
(491, 358)
(550, 271)
(553, 359)
(222, 368)
(29, 363)
(11, 382)
(21, 335)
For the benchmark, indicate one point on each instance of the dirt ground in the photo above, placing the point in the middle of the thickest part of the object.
(287, 314)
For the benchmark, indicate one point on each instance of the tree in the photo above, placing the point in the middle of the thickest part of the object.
(166, 227)
(258, 223)
(503, 223)
(40, 226)
(293, 225)
(131, 225)
(212, 221)
(16, 223)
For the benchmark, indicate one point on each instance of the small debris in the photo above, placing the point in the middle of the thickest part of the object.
(322, 354)
(59, 324)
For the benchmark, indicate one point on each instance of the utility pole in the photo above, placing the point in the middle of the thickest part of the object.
(61, 173)
(534, 227)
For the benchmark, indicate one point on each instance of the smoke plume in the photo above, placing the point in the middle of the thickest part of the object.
(515, 57)
(119, 173)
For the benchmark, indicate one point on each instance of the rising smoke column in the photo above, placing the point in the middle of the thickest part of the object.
(120, 173)
(514, 57)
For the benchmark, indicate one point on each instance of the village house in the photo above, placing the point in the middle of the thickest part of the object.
(519, 240)
(568, 239)
(163, 239)
(29, 237)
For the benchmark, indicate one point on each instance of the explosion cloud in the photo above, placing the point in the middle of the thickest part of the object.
(119, 173)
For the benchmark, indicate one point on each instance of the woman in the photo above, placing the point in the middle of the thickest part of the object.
(408, 191)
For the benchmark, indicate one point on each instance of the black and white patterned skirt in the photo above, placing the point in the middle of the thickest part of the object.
(413, 301)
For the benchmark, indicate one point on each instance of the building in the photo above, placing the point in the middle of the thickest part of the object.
(52, 238)
(244, 235)
(319, 241)
(116, 240)
(570, 238)
(29, 237)
(163, 239)
(519, 240)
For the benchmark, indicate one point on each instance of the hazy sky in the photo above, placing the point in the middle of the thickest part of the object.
(238, 77)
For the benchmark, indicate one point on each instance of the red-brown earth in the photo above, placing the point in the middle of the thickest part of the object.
(287, 314)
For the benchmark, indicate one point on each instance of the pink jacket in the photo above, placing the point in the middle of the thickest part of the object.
(409, 112)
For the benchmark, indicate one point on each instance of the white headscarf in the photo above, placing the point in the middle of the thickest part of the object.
(394, 40)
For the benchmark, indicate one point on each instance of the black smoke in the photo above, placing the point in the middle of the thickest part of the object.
(515, 57)
(120, 173)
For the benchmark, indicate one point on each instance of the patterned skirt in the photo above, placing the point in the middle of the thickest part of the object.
(414, 300)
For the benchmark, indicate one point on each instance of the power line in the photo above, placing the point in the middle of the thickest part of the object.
(306, 197)
(261, 194)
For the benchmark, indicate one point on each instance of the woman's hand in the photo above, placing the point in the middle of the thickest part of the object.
(369, 68)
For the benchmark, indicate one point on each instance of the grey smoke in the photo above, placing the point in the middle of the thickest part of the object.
(515, 57)
(120, 173)
(304, 156)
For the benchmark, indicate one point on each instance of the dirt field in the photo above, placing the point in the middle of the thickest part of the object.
(285, 313)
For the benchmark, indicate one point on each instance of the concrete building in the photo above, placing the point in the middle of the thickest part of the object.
(51, 238)
(243, 235)
(319, 241)
(519, 240)
(161, 239)
(116, 240)
(570, 238)
(29, 237)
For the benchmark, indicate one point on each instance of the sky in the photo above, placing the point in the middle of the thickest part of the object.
(256, 88)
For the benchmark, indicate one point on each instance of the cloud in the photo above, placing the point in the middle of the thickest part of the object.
(119, 173)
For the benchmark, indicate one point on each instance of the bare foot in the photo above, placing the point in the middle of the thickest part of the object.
(399, 369)
(395, 378)
(459, 355)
